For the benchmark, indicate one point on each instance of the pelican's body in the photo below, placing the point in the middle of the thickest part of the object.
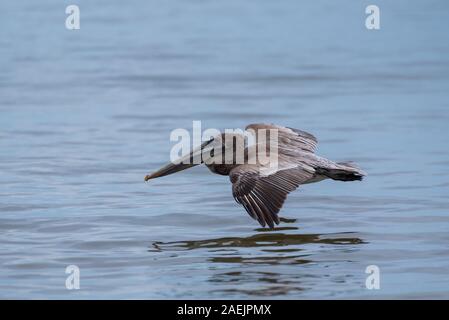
(262, 187)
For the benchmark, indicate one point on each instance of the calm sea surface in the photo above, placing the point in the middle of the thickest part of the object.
(85, 114)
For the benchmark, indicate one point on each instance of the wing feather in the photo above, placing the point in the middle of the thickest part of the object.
(262, 191)
(263, 196)
(289, 139)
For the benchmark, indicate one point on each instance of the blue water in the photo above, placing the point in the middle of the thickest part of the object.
(85, 114)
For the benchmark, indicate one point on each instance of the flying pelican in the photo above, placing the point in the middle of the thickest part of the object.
(259, 187)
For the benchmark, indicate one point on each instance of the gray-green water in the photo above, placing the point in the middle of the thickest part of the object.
(85, 114)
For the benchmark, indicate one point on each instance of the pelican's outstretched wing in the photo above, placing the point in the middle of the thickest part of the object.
(289, 139)
(263, 195)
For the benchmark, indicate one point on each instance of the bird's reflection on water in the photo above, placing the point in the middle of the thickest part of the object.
(269, 239)
(268, 283)
(260, 264)
(264, 238)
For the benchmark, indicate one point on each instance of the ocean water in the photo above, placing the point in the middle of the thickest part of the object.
(86, 114)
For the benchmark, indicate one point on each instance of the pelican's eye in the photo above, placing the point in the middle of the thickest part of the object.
(206, 143)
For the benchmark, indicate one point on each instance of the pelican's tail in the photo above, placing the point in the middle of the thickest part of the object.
(343, 171)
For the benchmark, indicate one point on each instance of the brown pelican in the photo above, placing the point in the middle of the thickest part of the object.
(262, 188)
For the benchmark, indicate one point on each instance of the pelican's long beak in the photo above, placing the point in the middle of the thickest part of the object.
(168, 169)
(188, 161)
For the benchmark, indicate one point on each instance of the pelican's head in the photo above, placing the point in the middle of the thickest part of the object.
(195, 157)
(213, 150)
